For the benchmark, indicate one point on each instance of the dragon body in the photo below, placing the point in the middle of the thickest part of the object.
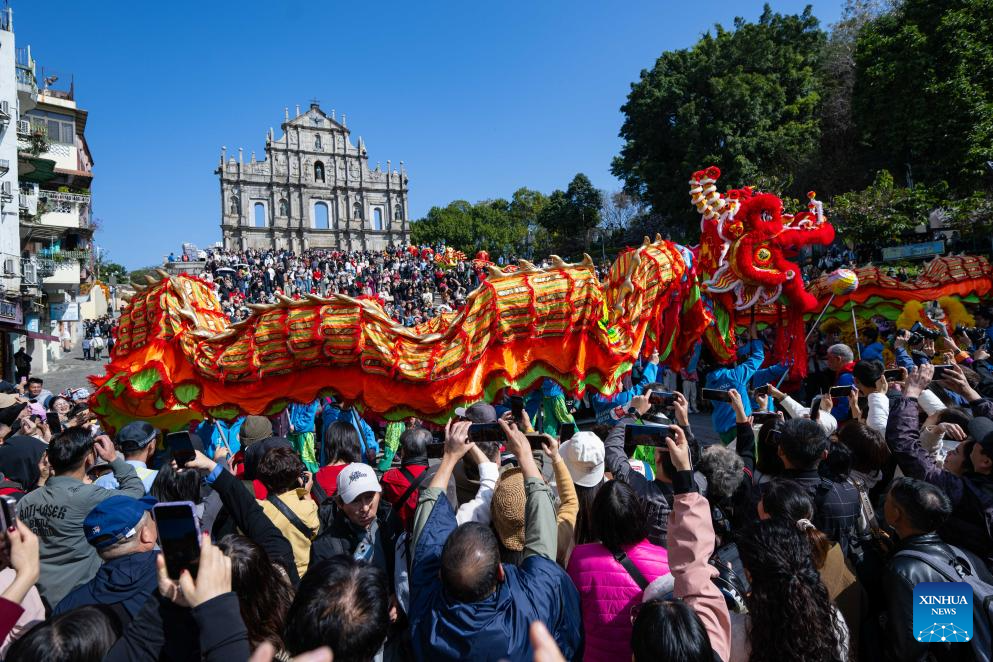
(178, 359)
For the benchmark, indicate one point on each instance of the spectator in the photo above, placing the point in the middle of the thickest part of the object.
(802, 447)
(36, 391)
(609, 587)
(22, 365)
(584, 457)
(917, 510)
(84, 634)
(611, 409)
(343, 604)
(137, 441)
(56, 511)
(481, 609)
(20, 605)
(870, 349)
(123, 532)
(288, 503)
(341, 447)
(400, 485)
(841, 362)
(737, 377)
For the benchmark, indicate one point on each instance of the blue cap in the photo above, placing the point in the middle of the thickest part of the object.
(112, 520)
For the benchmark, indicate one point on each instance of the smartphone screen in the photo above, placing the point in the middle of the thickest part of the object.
(841, 391)
(941, 369)
(893, 375)
(566, 431)
(179, 536)
(815, 407)
(536, 441)
(646, 435)
(662, 398)
(715, 394)
(54, 422)
(181, 446)
(516, 406)
(8, 511)
(435, 450)
(486, 432)
(762, 390)
(763, 417)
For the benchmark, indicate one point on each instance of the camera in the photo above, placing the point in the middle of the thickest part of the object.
(922, 331)
(976, 335)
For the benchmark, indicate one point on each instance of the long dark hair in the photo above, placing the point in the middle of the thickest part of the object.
(791, 614)
(787, 500)
(172, 485)
(84, 634)
(264, 592)
(670, 630)
(583, 533)
(768, 460)
(341, 444)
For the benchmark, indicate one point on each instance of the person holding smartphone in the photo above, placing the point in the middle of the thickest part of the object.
(738, 377)
(137, 441)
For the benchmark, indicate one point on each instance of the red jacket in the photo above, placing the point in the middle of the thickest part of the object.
(395, 483)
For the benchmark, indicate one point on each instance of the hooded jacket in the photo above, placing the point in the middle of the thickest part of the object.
(127, 580)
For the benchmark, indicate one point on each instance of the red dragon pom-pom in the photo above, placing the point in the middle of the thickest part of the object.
(713, 172)
(811, 194)
(698, 175)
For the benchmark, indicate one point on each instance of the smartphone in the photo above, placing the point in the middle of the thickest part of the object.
(54, 422)
(841, 391)
(179, 536)
(566, 432)
(763, 417)
(662, 398)
(486, 432)
(181, 446)
(646, 435)
(435, 450)
(715, 394)
(8, 511)
(536, 441)
(939, 370)
(762, 390)
(815, 407)
(516, 406)
(893, 375)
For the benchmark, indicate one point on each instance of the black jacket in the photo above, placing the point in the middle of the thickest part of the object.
(655, 494)
(902, 574)
(343, 537)
(836, 505)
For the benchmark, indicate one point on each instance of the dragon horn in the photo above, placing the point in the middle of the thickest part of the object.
(646, 241)
(557, 262)
(261, 307)
(587, 261)
(163, 273)
(139, 288)
(284, 300)
(527, 266)
(151, 280)
(658, 238)
(495, 271)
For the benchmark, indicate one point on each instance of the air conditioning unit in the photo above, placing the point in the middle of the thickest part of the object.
(4, 111)
(8, 267)
(7, 188)
(29, 271)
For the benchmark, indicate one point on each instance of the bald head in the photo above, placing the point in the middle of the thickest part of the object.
(470, 563)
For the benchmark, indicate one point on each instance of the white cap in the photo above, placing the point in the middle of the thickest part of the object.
(357, 479)
(584, 457)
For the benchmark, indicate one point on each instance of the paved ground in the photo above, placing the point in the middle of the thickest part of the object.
(71, 371)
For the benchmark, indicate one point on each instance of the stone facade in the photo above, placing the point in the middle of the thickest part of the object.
(313, 189)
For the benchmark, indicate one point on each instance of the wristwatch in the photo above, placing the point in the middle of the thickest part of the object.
(632, 412)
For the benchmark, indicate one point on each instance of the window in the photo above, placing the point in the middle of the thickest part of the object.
(357, 210)
(234, 205)
(377, 219)
(58, 128)
(397, 213)
(260, 220)
(284, 209)
(317, 142)
(321, 221)
(318, 172)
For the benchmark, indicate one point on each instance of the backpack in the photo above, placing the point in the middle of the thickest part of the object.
(958, 569)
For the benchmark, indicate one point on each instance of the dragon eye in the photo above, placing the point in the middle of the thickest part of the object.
(763, 255)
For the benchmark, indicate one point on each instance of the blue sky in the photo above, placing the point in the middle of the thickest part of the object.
(477, 98)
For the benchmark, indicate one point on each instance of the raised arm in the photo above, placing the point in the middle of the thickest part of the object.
(690, 545)
(540, 533)
(568, 500)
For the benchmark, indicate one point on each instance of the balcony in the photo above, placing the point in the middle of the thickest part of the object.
(65, 197)
(64, 273)
(35, 269)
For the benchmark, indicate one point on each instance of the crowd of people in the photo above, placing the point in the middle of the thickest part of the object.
(411, 286)
(513, 532)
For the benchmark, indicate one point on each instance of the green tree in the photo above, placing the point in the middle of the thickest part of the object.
(108, 269)
(569, 216)
(745, 99)
(883, 213)
(488, 225)
(923, 97)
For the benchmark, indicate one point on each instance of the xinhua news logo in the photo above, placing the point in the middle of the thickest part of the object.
(943, 611)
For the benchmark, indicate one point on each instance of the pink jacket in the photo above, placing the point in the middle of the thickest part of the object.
(607, 594)
(691, 543)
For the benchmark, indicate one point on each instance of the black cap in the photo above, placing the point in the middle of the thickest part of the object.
(135, 435)
(981, 429)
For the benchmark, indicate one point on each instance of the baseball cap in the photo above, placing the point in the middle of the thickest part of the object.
(480, 412)
(356, 479)
(584, 456)
(135, 435)
(114, 519)
(254, 430)
(981, 429)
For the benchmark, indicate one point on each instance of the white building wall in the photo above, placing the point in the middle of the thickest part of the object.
(10, 240)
